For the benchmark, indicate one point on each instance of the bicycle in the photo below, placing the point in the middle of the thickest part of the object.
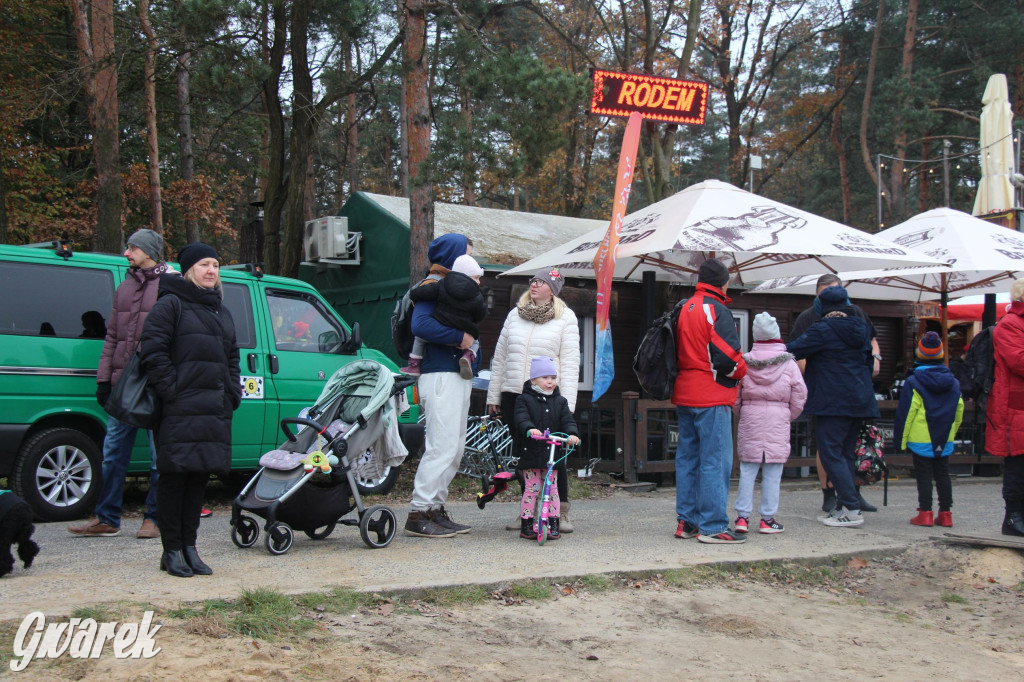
(488, 456)
(543, 507)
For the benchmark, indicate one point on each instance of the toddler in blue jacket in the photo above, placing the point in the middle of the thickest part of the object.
(927, 419)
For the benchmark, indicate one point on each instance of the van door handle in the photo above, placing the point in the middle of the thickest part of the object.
(252, 362)
(273, 364)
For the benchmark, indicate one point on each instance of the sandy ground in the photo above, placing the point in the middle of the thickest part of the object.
(934, 611)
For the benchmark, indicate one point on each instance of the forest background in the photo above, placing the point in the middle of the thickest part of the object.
(180, 114)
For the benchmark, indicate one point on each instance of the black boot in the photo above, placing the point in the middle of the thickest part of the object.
(174, 563)
(829, 503)
(526, 530)
(1013, 524)
(195, 563)
(865, 506)
(553, 532)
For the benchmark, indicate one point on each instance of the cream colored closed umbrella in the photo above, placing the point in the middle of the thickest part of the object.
(995, 193)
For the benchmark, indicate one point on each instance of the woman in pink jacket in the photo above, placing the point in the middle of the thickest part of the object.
(771, 395)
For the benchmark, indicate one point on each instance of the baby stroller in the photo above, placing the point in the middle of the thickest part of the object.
(308, 484)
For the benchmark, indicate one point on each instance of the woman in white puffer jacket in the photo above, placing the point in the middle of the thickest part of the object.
(541, 325)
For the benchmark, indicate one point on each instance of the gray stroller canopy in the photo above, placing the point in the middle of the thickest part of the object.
(369, 381)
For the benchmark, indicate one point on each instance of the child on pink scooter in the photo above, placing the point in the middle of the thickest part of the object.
(541, 407)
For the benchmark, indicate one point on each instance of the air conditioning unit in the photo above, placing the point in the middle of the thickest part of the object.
(327, 239)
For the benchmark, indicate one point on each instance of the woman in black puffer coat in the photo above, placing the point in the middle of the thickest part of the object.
(191, 357)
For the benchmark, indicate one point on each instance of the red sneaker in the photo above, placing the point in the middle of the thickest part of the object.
(924, 518)
(204, 513)
(686, 530)
(741, 524)
(945, 519)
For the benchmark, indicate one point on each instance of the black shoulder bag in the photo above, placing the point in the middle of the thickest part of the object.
(132, 400)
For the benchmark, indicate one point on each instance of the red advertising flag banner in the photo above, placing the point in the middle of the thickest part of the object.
(656, 98)
(604, 260)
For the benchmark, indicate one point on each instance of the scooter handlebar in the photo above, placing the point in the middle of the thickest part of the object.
(550, 437)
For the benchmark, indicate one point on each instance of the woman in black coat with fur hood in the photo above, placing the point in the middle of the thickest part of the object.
(191, 357)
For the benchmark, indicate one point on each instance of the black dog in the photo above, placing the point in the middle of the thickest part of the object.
(15, 527)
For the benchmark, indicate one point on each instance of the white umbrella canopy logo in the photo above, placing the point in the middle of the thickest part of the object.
(758, 239)
(981, 258)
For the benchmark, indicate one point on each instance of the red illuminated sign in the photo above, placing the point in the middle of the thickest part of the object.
(661, 99)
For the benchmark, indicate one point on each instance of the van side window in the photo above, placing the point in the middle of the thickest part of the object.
(301, 324)
(51, 300)
(239, 304)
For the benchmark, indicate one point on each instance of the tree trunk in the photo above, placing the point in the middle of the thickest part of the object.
(865, 106)
(924, 181)
(352, 130)
(276, 182)
(94, 33)
(466, 133)
(403, 113)
(658, 176)
(4, 239)
(421, 189)
(468, 161)
(300, 140)
(152, 142)
(838, 141)
(898, 181)
(183, 63)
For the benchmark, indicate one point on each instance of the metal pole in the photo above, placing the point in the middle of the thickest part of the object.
(878, 187)
(945, 169)
(751, 178)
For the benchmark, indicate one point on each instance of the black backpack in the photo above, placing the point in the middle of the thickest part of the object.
(401, 322)
(655, 360)
(976, 371)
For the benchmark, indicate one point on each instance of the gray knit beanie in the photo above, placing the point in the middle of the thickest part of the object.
(151, 243)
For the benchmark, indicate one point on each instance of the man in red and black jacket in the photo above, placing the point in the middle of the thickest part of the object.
(710, 366)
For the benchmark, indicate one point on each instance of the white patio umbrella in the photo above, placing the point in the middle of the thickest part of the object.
(995, 193)
(981, 257)
(757, 237)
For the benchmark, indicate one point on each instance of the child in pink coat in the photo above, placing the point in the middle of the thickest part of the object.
(770, 396)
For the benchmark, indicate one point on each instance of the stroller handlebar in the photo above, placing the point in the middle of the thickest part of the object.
(302, 421)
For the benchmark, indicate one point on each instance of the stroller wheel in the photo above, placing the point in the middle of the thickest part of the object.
(245, 532)
(321, 532)
(377, 526)
(279, 538)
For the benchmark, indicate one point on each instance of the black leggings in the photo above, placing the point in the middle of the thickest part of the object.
(508, 414)
(925, 470)
(179, 503)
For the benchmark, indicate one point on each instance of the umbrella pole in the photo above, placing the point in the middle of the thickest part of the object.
(945, 317)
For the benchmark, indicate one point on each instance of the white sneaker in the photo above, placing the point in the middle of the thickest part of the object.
(843, 519)
(834, 512)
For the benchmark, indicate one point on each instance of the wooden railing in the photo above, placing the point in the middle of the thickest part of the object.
(635, 436)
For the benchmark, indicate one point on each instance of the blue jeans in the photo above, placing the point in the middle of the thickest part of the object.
(837, 444)
(703, 467)
(117, 453)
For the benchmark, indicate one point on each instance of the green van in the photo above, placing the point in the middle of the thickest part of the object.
(53, 307)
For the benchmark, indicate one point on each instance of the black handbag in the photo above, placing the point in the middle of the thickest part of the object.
(132, 400)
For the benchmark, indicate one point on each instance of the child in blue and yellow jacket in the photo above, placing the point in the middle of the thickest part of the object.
(927, 419)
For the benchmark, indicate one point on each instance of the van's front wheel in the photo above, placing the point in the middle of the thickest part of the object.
(379, 486)
(58, 474)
